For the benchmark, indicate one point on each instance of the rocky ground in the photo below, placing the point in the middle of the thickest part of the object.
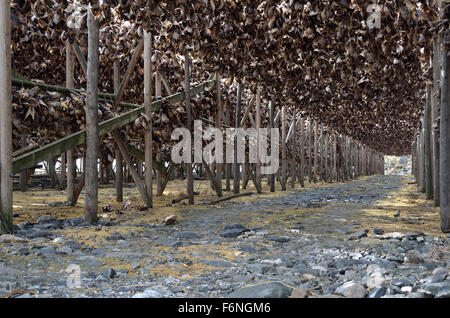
(374, 237)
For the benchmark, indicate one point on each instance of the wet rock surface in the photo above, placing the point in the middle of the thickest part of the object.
(315, 241)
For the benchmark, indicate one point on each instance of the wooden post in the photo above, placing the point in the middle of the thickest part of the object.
(237, 125)
(434, 119)
(321, 152)
(444, 141)
(159, 177)
(23, 177)
(119, 159)
(422, 158)
(227, 165)
(148, 74)
(272, 125)
(92, 137)
(70, 158)
(294, 152)
(187, 88)
(219, 166)
(427, 145)
(258, 135)
(316, 143)
(310, 141)
(283, 149)
(62, 175)
(325, 156)
(302, 152)
(6, 210)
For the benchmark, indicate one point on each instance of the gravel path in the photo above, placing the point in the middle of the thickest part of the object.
(336, 241)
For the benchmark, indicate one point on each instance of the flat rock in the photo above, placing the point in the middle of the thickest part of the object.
(153, 293)
(8, 238)
(276, 238)
(233, 232)
(415, 257)
(357, 235)
(262, 290)
(377, 292)
(351, 290)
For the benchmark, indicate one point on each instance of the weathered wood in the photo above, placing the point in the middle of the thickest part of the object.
(250, 106)
(159, 177)
(183, 197)
(92, 135)
(444, 142)
(283, 150)
(80, 56)
(119, 159)
(237, 122)
(302, 152)
(23, 177)
(316, 153)
(422, 157)
(230, 197)
(293, 151)
(137, 53)
(187, 85)
(427, 145)
(227, 165)
(258, 136)
(62, 175)
(435, 118)
(6, 210)
(46, 152)
(126, 157)
(272, 125)
(219, 166)
(148, 91)
(310, 138)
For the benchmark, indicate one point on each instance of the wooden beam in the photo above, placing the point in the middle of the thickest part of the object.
(427, 145)
(119, 159)
(148, 91)
(187, 85)
(237, 172)
(283, 150)
(159, 177)
(92, 135)
(46, 152)
(6, 209)
(444, 143)
(272, 125)
(219, 166)
(137, 53)
(80, 57)
(258, 136)
(435, 117)
(247, 110)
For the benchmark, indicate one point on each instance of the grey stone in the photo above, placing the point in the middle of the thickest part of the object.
(47, 251)
(153, 293)
(437, 288)
(262, 290)
(187, 236)
(73, 245)
(377, 292)
(276, 238)
(378, 231)
(415, 257)
(109, 273)
(351, 290)
(357, 235)
(64, 250)
(45, 218)
(233, 233)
